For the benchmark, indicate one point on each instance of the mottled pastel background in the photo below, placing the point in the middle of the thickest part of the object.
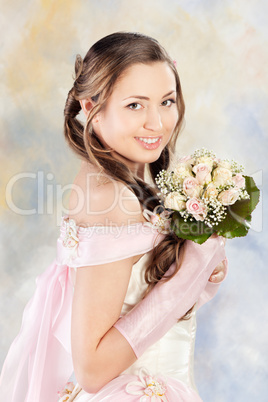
(221, 52)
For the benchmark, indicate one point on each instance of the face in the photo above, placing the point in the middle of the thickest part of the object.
(140, 115)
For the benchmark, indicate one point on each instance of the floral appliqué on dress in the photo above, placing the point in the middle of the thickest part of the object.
(69, 392)
(149, 388)
(158, 219)
(71, 239)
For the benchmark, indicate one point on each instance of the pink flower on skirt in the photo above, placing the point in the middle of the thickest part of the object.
(148, 387)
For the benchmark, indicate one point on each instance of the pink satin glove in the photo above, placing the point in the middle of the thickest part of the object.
(168, 301)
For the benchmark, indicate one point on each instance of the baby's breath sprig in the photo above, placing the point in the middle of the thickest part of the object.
(203, 152)
(236, 167)
(216, 212)
(166, 183)
(227, 186)
(243, 195)
(186, 215)
(204, 195)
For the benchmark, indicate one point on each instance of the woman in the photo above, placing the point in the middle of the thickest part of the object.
(130, 93)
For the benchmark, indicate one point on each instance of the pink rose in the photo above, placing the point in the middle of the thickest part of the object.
(197, 208)
(191, 187)
(203, 173)
(186, 159)
(229, 197)
(239, 180)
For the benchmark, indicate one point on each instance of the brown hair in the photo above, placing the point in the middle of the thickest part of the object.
(95, 77)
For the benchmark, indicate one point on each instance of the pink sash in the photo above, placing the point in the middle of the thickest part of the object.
(39, 361)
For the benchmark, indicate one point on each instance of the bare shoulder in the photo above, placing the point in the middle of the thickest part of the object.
(96, 199)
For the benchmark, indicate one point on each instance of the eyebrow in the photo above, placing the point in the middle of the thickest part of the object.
(146, 98)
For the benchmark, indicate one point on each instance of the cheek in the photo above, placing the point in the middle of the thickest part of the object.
(109, 123)
(171, 120)
(175, 118)
(119, 122)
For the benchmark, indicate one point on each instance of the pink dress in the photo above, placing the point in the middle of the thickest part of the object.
(39, 362)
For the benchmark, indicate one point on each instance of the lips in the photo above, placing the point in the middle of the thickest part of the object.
(149, 142)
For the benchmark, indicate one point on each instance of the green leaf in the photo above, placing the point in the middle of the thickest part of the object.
(253, 192)
(237, 221)
(230, 223)
(241, 230)
(196, 231)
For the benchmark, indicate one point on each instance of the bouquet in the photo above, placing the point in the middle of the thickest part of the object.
(206, 195)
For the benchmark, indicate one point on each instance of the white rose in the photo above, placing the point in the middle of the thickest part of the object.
(175, 201)
(182, 170)
(223, 164)
(221, 176)
(229, 197)
(207, 160)
(211, 191)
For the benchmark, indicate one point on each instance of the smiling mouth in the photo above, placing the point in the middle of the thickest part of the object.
(149, 143)
(149, 140)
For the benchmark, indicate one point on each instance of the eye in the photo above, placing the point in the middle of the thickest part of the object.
(134, 106)
(168, 102)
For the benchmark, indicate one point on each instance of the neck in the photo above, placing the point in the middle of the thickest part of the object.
(137, 169)
(140, 172)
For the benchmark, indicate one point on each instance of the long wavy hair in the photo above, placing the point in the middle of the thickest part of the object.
(95, 77)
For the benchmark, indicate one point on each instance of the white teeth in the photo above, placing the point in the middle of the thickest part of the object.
(149, 140)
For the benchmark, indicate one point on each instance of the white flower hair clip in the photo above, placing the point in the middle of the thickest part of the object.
(149, 388)
(159, 219)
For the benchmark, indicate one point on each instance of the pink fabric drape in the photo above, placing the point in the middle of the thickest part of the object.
(39, 361)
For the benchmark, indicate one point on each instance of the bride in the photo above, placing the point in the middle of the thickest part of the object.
(117, 307)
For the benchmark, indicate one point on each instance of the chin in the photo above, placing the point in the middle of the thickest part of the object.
(153, 158)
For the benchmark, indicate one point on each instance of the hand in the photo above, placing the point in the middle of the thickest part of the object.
(219, 273)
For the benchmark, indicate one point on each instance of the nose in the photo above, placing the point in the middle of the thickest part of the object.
(153, 120)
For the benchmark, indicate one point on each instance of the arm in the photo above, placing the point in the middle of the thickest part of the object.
(99, 354)
(99, 362)
(99, 351)
(150, 319)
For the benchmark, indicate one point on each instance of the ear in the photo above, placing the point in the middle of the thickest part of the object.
(86, 105)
